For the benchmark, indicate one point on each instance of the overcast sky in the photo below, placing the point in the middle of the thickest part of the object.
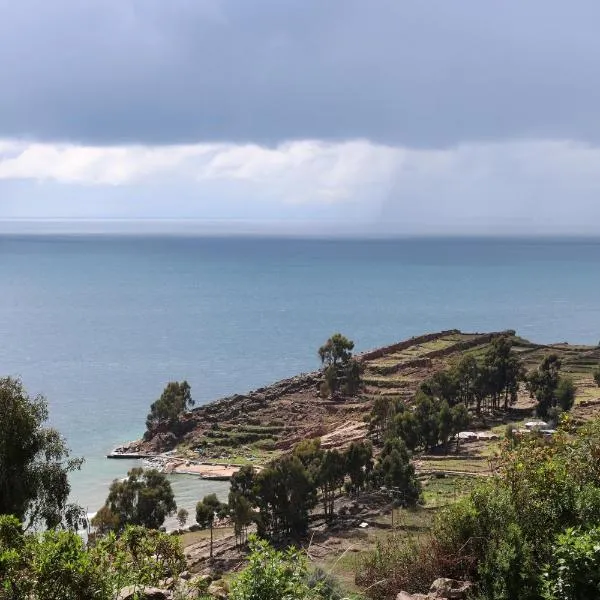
(375, 116)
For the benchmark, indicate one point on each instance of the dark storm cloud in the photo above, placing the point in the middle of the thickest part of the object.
(419, 73)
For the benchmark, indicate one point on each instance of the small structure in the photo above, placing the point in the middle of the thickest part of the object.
(536, 425)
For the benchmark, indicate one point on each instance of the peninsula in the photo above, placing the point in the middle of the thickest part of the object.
(215, 439)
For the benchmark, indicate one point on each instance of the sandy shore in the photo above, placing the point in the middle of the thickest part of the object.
(180, 466)
(205, 471)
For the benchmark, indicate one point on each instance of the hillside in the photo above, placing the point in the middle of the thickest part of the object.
(257, 426)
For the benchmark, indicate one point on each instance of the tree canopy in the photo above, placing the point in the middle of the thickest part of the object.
(551, 389)
(174, 401)
(144, 498)
(34, 461)
(342, 371)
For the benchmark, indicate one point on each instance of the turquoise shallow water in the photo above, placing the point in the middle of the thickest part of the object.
(99, 324)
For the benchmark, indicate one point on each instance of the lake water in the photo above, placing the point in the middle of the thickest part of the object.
(99, 324)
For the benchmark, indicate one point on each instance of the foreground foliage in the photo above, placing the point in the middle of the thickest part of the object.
(34, 461)
(57, 565)
(527, 534)
(275, 575)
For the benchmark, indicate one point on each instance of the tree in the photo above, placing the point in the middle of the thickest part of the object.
(354, 369)
(359, 463)
(503, 370)
(330, 478)
(427, 416)
(446, 424)
(406, 426)
(242, 482)
(57, 565)
(395, 471)
(442, 385)
(206, 511)
(174, 401)
(574, 569)
(543, 384)
(105, 521)
(143, 498)
(241, 514)
(341, 370)
(382, 412)
(182, 517)
(460, 420)
(466, 375)
(242, 499)
(34, 461)
(336, 350)
(565, 393)
(284, 494)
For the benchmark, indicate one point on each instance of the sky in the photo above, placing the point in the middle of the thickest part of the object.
(392, 117)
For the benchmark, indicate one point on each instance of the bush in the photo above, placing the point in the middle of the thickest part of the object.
(56, 564)
(573, 572)
(273, 575)
(503, 534)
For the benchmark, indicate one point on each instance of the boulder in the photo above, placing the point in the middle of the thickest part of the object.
(218, 589)
(185, 575)
(132, 592)
(449, 589)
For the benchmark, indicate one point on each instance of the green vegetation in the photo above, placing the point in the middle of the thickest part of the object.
(276, 575)
(57, 565)
(523, 525)
(596, 376)
(574, 568)
(513, 534)
(206, 511)
(173, 402)
(34, 461)
(342, 371)
(395, 472)
(182, 517)
(551, 390)
(143, 498)
(287, 490)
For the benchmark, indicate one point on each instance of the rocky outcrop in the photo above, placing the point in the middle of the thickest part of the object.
(441, 589)
(449, 589)
(144, 593)
(407, 596)
(218, 589)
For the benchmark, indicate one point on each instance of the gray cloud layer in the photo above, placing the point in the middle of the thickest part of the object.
(418, 73)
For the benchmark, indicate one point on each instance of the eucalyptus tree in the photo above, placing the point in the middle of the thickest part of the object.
(35, 461)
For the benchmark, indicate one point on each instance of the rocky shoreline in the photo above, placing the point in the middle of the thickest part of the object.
(215, 439)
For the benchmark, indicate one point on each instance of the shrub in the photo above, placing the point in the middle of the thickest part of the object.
(573, 572)
(505, 532)
(273, 575)
(56, 564)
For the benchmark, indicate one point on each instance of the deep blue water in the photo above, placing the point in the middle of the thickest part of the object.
(99, 324)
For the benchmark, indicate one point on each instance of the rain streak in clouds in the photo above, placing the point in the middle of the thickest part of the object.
(399, 117)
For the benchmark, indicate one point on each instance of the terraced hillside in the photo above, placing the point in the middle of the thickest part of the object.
(261, 424)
